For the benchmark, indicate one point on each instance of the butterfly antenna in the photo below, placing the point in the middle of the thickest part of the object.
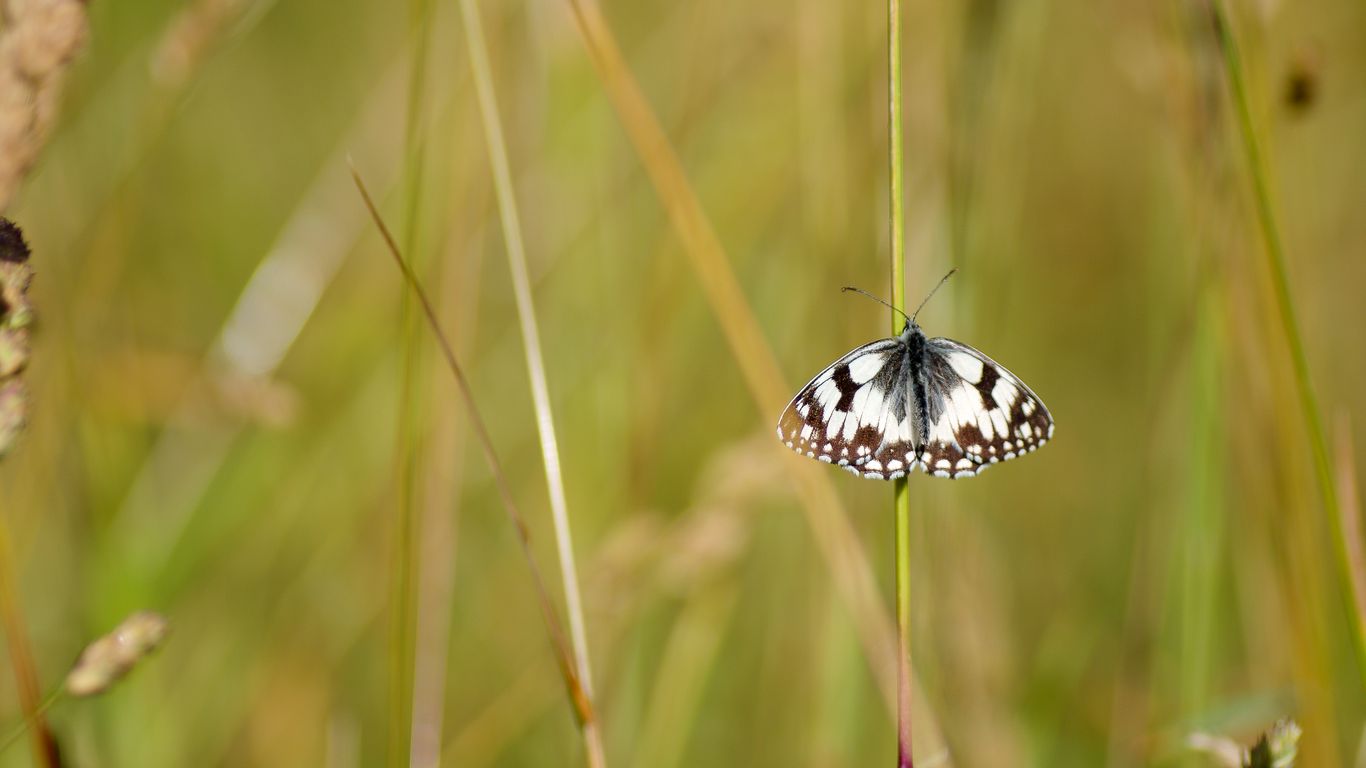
(874, 298)
(942, 280)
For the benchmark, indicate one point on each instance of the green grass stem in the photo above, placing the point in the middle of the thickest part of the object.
(901, 498)
(406, 565)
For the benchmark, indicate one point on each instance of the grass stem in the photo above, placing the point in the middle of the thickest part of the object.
(901, 499)
(535, 361)
(406, 565)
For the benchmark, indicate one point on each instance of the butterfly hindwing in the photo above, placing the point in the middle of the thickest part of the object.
(978, 413)
(854, 413)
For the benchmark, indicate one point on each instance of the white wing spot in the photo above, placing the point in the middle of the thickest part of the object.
(984, 425)
(966, 401)
(966, 365)
(1004, 393)
(832, 427)
(865, 367)
(998, 420)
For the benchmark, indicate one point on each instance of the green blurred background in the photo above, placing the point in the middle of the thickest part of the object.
(219, 372)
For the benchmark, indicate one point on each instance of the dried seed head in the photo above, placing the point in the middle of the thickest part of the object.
(38, 41)
(109, 658)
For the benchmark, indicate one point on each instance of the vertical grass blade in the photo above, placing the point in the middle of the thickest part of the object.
(901, 497)
(1285, 306)
(403, 603)
(531, 340)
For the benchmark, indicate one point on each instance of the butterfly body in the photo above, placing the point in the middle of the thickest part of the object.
(898, 404)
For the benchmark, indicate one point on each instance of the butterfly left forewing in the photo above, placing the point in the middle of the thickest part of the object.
(979, 413)
(853, 413)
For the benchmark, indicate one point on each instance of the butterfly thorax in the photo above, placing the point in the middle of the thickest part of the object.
(913, 338)
(916, 392)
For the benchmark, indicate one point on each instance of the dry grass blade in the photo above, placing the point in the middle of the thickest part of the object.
(583, 709)
(535, 363)
(824, 510)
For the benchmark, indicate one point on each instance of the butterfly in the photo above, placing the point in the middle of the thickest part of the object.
(910, 402)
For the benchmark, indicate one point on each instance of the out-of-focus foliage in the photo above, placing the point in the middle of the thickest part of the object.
(215, 381)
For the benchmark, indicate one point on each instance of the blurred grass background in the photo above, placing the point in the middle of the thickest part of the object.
(219, 368)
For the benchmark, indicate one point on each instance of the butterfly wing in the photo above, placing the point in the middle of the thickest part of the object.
(854, 413)
(978, 413)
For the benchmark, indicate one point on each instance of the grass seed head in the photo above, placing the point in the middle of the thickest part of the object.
(105, 661)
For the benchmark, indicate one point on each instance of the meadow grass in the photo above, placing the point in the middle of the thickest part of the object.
(219, 425)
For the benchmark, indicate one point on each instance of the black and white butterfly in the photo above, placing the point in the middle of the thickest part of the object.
(910, 402)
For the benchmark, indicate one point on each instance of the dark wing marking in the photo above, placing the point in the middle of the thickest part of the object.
(979, 413)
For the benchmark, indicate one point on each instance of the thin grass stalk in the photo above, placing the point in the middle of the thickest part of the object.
(535, 361)
(406, 526)
(825, 514)
(1285, 305)
(901, 497)
(579, 700)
